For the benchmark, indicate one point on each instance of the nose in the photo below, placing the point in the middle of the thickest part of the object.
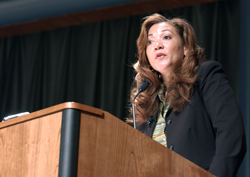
(158, 45)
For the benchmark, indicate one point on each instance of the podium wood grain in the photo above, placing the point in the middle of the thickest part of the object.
(31, 148)
(108, 147)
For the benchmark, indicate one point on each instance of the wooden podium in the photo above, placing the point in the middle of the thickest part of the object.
(71, 139)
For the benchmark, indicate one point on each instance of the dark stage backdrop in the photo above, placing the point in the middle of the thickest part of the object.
(91, 63)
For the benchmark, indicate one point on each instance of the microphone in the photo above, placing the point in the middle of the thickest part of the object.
(144, 85)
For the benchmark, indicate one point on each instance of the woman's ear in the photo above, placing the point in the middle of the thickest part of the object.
(185, 50)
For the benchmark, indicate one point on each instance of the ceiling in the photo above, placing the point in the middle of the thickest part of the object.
(26, 16)
(16, 11)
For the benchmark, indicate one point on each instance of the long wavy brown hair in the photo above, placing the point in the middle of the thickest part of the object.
(181, 80)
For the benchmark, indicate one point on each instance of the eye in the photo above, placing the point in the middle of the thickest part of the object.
(167, 37)
(150, 42)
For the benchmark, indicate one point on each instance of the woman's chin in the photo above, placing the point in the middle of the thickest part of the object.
(163, 69)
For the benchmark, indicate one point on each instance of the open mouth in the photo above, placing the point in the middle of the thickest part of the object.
(160, 55)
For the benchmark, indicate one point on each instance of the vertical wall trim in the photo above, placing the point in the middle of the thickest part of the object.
(244, 78)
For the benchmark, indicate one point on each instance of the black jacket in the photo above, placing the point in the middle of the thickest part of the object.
(209, 130)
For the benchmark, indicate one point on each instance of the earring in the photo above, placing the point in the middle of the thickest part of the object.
(185, 58)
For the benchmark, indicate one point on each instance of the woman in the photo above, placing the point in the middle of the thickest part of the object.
(189, 105)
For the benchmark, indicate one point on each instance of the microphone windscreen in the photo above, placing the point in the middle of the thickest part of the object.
(144, 85)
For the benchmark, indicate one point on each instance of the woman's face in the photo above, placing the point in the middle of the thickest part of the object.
(165, 49)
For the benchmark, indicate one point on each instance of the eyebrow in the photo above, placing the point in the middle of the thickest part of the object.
(165, 30)
(161, 31)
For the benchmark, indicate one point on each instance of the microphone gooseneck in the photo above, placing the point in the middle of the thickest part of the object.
(144, 85)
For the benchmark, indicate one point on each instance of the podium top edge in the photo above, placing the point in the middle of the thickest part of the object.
(81, 107)
(53, 109)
